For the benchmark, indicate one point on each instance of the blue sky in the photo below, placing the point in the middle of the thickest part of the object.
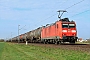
(34, 14)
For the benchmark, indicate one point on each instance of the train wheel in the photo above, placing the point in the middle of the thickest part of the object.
(59, 42)
(56, 42)
(44, 42)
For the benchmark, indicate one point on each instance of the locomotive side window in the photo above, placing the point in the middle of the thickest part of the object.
(64, 25)
(71, 25)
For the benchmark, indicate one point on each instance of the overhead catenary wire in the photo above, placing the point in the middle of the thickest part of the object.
(56, 13)
(65, 9)
(61, 3)
(53, 14)
(47, 18)
(74, 4)
(80, 13)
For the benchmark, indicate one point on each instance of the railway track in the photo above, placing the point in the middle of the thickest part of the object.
(76, 47)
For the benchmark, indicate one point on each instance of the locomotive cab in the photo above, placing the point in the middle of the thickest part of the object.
(69, 32)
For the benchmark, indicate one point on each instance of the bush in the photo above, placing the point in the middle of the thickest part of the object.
(1, 40)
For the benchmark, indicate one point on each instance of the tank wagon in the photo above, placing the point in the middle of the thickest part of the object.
(61, 31)
(15, 39)
(34, 35)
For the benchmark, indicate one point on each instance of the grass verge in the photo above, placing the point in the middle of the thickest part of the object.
(30, 52)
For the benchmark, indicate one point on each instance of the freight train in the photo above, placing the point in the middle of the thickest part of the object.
(61, 31)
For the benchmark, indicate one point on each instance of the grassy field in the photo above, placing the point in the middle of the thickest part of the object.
(10, 51)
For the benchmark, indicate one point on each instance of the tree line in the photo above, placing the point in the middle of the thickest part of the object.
(1, 40)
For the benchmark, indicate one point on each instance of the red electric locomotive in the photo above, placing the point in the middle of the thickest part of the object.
(61, 31)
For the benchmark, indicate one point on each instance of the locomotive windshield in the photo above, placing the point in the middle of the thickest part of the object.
(71, 25)
(68, 25)
(64, 25)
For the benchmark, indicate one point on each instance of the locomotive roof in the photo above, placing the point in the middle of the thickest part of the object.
(66, 20)
(63, 20)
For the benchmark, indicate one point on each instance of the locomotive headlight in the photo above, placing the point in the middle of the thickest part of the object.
(73, 30)
(64, 30)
